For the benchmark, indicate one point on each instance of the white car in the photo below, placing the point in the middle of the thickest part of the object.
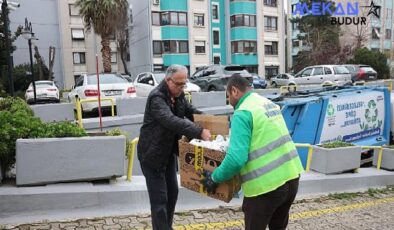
(46, 91)
(146, 82)
(111, 86)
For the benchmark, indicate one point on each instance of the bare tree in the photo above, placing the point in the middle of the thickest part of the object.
(40, 62)
(122, 38)
(52, 52)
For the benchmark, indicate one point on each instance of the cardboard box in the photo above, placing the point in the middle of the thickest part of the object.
(193, 159)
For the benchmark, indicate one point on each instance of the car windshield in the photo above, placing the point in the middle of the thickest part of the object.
(44, 84)
(229, 70)
(340, 70)
(106, 79)
(367, 69)
(159, 77)
(350, 68)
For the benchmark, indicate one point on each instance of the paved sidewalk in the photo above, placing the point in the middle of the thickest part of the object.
(369, 210)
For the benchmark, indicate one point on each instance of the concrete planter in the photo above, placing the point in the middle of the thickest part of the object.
(387, 159)
(52, 160)
(335, 160)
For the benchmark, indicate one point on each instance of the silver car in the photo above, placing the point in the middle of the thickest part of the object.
(322, 74)
(282, 79)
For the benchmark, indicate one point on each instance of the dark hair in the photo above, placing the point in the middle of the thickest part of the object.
(238, 82)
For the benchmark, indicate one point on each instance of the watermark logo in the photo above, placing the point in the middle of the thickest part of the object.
(341, 13)
(374, 9)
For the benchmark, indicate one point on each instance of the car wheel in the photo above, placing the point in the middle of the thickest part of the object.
(211, 88)
(274, 85)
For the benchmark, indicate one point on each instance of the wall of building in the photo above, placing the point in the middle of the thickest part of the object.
(198, 34)
(43, 14)
(141, 37)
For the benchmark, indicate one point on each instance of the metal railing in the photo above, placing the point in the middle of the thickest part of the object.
(78, 105)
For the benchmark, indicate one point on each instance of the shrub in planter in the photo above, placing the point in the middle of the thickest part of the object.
(335, 157)
(17, 121)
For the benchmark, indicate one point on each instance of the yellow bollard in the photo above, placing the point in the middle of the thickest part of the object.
(79, 112)
(310, 152)
(131, 153)
(380, 153)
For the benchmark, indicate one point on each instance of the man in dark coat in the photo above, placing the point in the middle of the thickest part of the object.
(164, 124)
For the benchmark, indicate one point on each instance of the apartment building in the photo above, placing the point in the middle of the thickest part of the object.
(79, 47)
(376, 33)
(196, 33)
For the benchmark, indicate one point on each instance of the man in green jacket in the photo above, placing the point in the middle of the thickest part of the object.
(263, 153)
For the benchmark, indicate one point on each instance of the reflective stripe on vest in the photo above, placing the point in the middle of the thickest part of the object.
(272, 165)
(268, 148)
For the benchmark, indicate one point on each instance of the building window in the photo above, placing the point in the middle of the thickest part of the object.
(169, 18)
(170, 46)
(271, 71)
(271, 3)
(389, 13)
(215, 12)
(243, 20)
(375, 33)
(182, 19)
(270, 23)
(199, 19)
(183, 47)
(388, 33)
(243, 47)
(252, 68)
(200, 47)
(77, 34)
(156, 18)
(73, 10)
(79, 58)
(271, 48)
(165, 18)
(216, 38)
(157, 48)
(114, 57)
(294, 26)
(216, 59)
(296, 43)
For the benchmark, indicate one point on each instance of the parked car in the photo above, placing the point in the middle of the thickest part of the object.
(111, 86)
(46, 91)
(128, 77)
(321, 74)
(282, 79)
(362, 72)
(215, 77)
(147, 81)
(259, 82)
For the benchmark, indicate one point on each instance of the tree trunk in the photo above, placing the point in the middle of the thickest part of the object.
(38, 57)
(106, 52)
(51, 59)
(123, 55)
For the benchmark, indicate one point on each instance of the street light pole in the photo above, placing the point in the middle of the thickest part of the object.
(32, 72)
(4, 11)
(29, 35)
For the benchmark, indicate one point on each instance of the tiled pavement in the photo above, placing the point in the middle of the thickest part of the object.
(369, 210)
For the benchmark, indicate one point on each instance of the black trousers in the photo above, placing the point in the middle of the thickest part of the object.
(270, 209)
(163, 193)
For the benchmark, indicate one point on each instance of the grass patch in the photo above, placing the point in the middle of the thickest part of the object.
(343, 196)
(335, 144)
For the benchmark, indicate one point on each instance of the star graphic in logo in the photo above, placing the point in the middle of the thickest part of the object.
(374, 9)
